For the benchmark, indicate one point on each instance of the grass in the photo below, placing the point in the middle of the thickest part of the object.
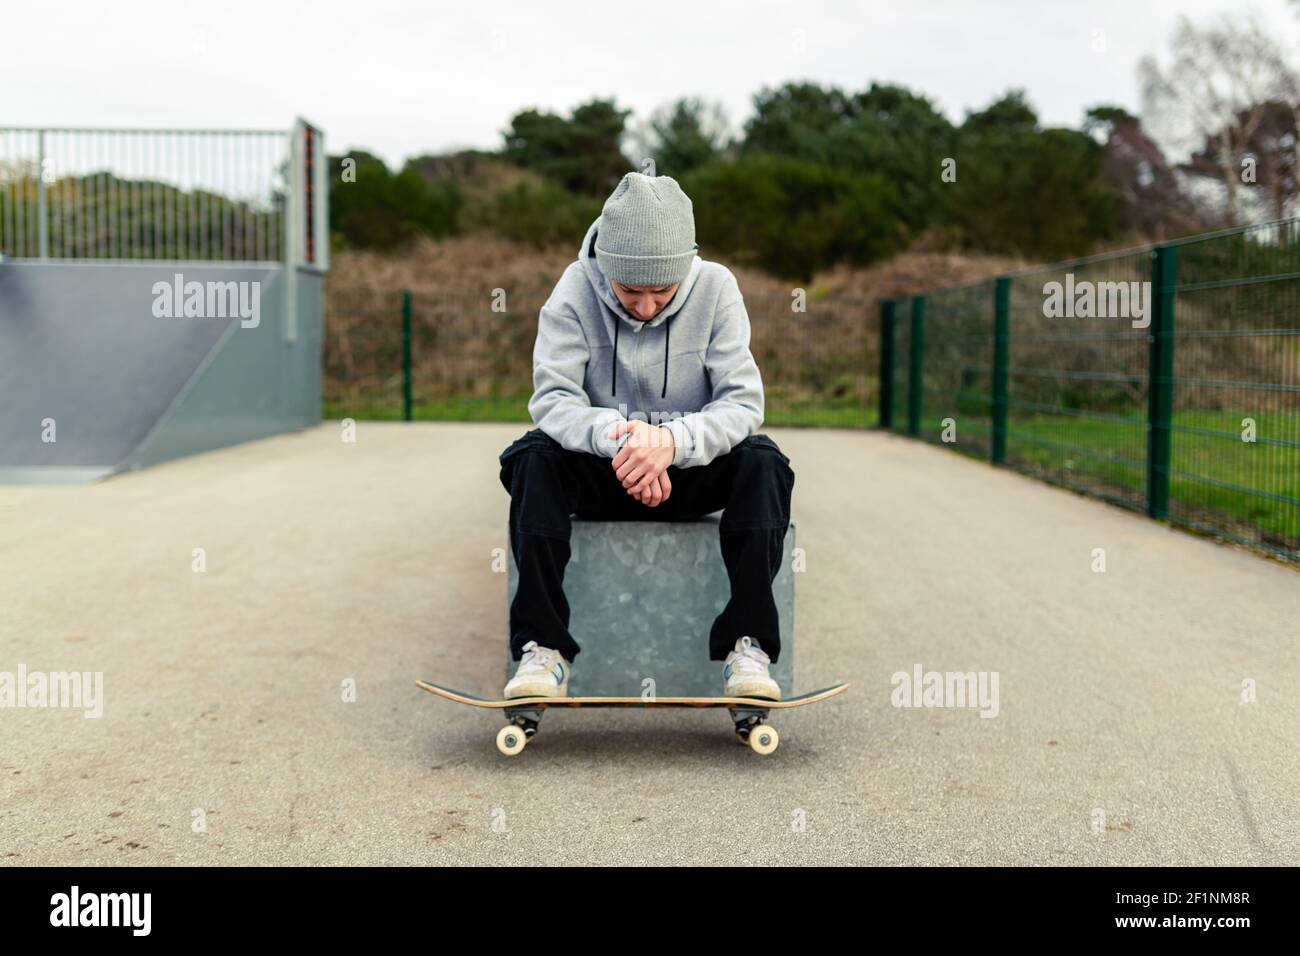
(514, 408)
(454, 409)
(1218, 482)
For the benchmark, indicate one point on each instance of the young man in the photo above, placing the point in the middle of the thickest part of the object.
(646, 400)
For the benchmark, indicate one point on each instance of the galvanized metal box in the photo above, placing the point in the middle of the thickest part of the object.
(642, 597)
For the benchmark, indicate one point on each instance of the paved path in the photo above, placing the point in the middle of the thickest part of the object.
(1119, 693)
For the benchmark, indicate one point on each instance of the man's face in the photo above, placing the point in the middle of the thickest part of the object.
(644, 302)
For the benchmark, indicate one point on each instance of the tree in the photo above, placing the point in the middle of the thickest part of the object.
(1268, 158)
(380, 210)
(901, 136)
(358, 157)
(1211, 104)
(791, 217)
(1025, 190)
(544, 215)
(1153, 203)
(796, 120)
(885, 130)
(681, 136)
(581, 153)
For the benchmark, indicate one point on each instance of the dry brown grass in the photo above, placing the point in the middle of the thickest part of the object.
(467, 265)
(462, 347)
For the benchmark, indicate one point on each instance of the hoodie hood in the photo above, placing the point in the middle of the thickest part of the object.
(605, 292)
(618, 315)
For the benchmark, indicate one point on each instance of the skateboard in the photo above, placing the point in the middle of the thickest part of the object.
(749, 714)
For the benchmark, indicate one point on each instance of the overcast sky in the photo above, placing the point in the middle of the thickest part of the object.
(403, 78)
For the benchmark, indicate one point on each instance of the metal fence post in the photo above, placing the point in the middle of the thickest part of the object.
(917, 347)
(294, 241)
(42, 200)
(406, 355)
(1001, 348)
(1160, 377)
(887, 363)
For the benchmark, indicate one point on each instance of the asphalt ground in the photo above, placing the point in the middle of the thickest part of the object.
(1119, 733)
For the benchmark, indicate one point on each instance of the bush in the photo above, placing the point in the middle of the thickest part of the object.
(544, 214)
(1028, 191)
(792, 217)
(382, 211)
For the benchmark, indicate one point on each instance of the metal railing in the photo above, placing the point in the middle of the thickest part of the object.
(139, 194)
(1164, 379)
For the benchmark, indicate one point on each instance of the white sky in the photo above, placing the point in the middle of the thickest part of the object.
(404, 78)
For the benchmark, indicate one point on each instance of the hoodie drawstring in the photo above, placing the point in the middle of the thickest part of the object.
(668, 323)
(614, 368)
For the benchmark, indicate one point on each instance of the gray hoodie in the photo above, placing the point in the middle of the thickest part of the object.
(689, 368)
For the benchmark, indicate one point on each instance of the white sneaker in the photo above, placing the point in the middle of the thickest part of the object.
(745, 673)
(542, 672)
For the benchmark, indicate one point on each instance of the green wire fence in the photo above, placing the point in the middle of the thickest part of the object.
(1164, 379)
(467, 355)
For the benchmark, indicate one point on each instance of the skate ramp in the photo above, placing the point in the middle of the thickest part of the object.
(85, 360)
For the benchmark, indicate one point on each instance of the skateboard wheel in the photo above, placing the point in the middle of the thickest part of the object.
(764, 739)
(511, 740)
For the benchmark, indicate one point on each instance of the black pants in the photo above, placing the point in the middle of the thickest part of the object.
(751, 485)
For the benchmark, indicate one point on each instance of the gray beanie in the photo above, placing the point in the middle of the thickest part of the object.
(646, 234)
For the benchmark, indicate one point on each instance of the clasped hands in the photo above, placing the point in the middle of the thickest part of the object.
(642, 463)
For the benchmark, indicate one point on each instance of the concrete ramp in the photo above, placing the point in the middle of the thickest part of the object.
(93, 381)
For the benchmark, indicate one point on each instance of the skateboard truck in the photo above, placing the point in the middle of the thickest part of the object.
(522, 719)
(752, 728)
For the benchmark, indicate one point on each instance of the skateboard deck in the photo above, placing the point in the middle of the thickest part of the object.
(749, 714)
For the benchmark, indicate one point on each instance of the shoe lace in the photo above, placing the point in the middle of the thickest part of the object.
(535, 658)
(750, 659)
